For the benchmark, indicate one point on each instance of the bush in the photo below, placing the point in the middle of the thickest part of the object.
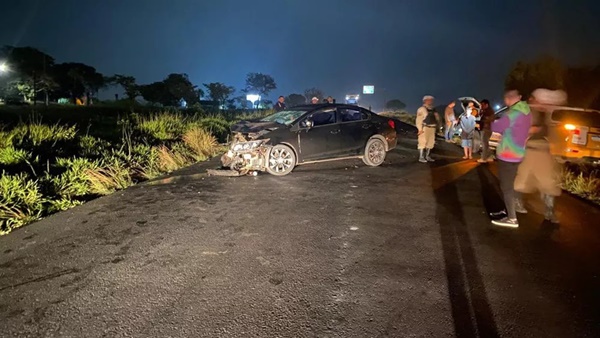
(73, 182)
(92, 146)
(36, 133)
(217, 126)
(171, 160)
(582, 182)
(162, 127)
(21, 201)
(105, 181)
(11, 156)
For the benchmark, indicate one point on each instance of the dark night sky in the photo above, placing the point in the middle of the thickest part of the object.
(409, 47)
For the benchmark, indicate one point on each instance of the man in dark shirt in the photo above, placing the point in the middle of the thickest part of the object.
(485, 124)
(280, 105)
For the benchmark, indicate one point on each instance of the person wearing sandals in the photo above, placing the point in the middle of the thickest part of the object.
(467, 124)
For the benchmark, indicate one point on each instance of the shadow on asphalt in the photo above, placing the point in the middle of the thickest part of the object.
(468, 297)
(490, 190)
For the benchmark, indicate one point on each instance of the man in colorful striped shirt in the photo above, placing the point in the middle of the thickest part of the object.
(514, 126)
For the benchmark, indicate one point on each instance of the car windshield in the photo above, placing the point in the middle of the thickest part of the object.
(286, 117)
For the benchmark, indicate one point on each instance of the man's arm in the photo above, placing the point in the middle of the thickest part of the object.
(421, 113)
(500, 125)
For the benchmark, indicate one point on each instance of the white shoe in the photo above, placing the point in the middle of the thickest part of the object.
(506, 222)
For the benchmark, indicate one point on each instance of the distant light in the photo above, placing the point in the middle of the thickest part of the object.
(253, 97)
(3, 67)
(498, 107)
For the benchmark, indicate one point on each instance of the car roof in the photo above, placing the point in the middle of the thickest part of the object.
(325, 105)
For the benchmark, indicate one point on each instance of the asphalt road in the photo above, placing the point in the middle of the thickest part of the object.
(333, 250)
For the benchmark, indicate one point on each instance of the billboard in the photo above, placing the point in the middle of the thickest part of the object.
(368, 89)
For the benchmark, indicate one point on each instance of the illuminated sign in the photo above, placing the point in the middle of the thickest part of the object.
(368, 89)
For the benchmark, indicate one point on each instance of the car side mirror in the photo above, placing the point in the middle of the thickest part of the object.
(307, 124)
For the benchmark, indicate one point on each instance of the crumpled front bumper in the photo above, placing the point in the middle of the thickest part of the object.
(247, 160)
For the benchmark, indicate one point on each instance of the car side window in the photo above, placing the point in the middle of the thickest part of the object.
(351, 115)
(323, 118)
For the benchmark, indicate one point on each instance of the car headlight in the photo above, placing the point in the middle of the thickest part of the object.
(247, 145)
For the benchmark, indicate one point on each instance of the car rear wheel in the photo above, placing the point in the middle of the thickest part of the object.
(282, 160)
(374, 152)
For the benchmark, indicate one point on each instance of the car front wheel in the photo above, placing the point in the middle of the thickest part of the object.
(374, 152)
(282, 160)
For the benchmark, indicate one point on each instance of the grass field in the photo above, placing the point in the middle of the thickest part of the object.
(60, 157)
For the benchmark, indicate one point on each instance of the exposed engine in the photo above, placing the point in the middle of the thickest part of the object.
(246, 155)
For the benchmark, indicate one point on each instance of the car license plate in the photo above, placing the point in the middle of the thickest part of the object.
(596, 138)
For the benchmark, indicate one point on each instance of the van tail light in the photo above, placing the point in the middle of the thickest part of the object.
(570, 126)
(392, 124)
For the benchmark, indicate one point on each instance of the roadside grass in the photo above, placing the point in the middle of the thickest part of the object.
(582, 180)
(57, 158)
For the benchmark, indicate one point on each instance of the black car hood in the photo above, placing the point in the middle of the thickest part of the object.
(252, 127)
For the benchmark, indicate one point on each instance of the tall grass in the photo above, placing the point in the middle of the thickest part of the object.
(201, 142)
(53, 167)
(582, 181)
(21, 201)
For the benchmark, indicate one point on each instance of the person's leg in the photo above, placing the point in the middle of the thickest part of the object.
(549, 213)
(485, 152)
(507, 173)
(421, 146)
(510, 220)
(430, 133)
(547, 176)
(470, 149)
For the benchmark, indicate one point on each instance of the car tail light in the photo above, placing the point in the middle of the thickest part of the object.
(392, 124)
(570, 126)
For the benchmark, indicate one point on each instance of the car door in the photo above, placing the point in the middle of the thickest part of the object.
(321, 139)
(355, 129)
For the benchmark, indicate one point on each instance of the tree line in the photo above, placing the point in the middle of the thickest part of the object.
(582, 84)
(33, 75)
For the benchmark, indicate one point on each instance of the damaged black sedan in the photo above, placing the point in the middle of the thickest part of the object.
(308, 134)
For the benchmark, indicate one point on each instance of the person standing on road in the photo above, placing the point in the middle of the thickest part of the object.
(487, 117)
(538, 171)
(514, 127)
(427, 122)
(280, 104)
(450, 121)
(467, 124)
